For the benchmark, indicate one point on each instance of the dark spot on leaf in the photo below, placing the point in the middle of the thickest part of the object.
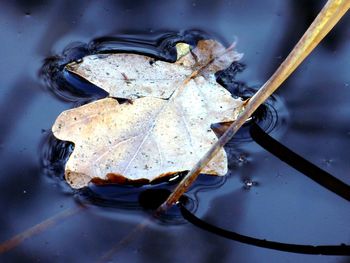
(115, 178)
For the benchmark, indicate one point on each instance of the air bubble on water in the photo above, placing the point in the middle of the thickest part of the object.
(241, 159)
(327, 161)
(249, 183)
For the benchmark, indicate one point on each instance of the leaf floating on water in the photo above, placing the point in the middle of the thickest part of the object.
(129, 76)
(165, 130)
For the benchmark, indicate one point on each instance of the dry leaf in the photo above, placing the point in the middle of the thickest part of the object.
(129, 76)
(165, 130)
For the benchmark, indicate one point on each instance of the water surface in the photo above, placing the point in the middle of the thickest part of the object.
(261, 196)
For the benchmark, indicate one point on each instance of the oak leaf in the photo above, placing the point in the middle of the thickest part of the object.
(166, 127)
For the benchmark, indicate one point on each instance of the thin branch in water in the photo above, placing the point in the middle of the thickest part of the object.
(108, 256)
(328, 17)
(37, 229)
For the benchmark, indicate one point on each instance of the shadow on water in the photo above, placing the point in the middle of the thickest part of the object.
(336, 250)
(308, 169)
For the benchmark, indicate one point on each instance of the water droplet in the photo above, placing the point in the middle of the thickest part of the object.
(249, 183)
(327, 161)
(241, 159)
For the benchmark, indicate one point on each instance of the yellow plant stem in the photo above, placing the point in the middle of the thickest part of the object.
(330, 14)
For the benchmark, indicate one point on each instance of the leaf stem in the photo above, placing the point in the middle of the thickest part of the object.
(328, 17)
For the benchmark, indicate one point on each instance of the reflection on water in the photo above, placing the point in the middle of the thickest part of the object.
(309, 115)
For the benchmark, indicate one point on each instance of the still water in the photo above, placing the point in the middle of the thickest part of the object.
(261, 196)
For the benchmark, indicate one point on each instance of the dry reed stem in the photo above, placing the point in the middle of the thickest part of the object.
(328, 17)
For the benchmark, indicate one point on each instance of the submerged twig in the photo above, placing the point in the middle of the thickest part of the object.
(40, 227)
(330, 14)
(108, 256)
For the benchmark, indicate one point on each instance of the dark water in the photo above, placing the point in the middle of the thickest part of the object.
(261, 196)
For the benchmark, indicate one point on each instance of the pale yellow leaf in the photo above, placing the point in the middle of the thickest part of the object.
(129, 76)
(155, 135)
